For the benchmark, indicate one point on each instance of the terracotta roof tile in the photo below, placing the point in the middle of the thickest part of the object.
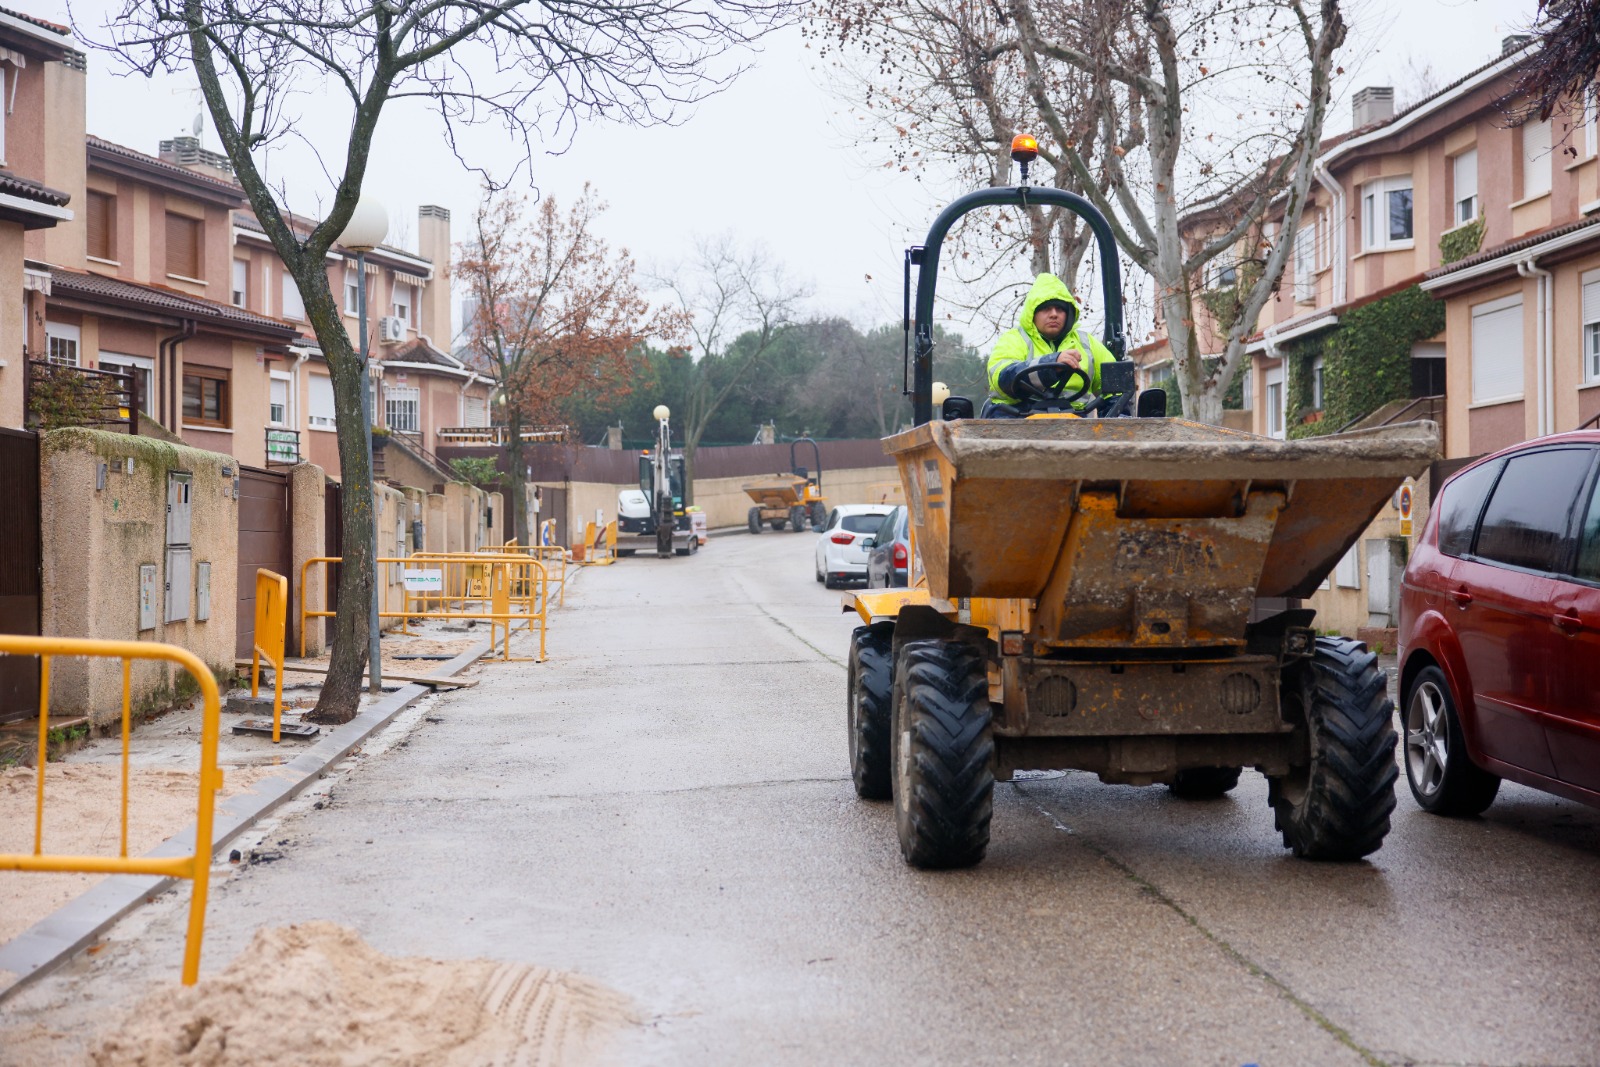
(1508, 247)
(64, 281)
(35, 20)
(145, 159)
(17, 185)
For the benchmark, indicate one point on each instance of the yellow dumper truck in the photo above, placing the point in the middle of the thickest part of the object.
(1105, 589)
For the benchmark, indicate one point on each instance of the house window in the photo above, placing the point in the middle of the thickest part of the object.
(141, 368)
(241, 282)
(1535, 158)
(1247, 391)
(1348, 570)
(278, 399)
(400, 405)
(1386, 214)
(352, 291)
(183, 246)
(402, 302)
(1222, 272)
(321, 409)
(205, 397)
(1497, 350)
(62, 341)
(1275, 402)
(1316, 384)
(1305, 258)
(1591, 327)
(293, 307)
(1466, 186)
(100, 210)
(477, 413)
(1591, 124)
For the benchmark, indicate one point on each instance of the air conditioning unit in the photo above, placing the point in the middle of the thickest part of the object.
(391, 328)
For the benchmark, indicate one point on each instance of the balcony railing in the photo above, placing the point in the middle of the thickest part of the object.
(283, 447)
(59, 394)
(494, 436)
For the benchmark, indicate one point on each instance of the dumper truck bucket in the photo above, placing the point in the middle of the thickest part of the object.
(1153, 532)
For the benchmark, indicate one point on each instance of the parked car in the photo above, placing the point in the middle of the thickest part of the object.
(841, 556)
(1500, 630)
(889, 551)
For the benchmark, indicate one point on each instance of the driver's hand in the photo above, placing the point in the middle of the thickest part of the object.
(1071, 357)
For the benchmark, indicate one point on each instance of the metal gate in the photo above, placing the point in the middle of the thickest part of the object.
(20, 580)
(333, 544)
(264, 541)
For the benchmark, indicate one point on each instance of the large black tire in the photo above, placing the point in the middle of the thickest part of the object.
(1205, 783)
(797, 518)
(819, 515)
(943, 754)
(869, 681)
(1443, 778)
(753, 517)
(1337, 807)
(778, 524)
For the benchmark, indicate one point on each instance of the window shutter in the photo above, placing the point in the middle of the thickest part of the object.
(1466, 174)
(321, 411)
(1591, 301)
(100, 223)
(1497, 352)
(183, 246)
(1535, 158)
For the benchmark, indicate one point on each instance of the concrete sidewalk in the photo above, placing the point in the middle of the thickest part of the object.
(55, 939)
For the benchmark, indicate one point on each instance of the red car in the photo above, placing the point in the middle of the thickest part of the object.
(1500, 630)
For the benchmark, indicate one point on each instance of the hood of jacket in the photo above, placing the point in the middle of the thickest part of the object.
(1048, 287)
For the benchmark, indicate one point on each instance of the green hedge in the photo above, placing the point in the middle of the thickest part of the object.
(1366, 360)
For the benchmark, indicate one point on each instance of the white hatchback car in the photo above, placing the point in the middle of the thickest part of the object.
(840, 555)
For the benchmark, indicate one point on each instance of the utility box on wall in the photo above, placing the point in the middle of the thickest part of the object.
(179, 489)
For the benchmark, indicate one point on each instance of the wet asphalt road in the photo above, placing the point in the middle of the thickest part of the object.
(665, 807)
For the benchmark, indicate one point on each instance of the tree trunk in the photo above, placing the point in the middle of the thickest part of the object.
(341, 691)
(519, 485)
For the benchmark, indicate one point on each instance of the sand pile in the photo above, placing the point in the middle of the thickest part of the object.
(315, 994)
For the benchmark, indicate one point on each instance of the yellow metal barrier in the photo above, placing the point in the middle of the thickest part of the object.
(197, 867)
(272, 623)
(546, 554)
(597, 541)
(507, 582)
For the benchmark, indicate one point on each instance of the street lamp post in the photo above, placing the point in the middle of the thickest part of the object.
(368, 226)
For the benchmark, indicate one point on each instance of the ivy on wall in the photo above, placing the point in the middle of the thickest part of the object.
(1366, 360)
(1462, 241)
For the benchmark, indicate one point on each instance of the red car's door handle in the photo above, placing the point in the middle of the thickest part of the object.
(1461, 597)
(1568, 623)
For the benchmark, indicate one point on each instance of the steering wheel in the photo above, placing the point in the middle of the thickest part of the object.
(1064, 373)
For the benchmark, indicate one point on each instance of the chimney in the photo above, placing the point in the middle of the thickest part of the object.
(1373, 104)
(1514, 42)
(187, 152)
(433, 244)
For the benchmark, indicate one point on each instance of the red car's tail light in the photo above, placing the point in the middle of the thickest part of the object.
(842, 538)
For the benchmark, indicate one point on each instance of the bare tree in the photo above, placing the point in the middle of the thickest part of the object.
(533, 66)
(737, 303)
(1254, 77)
(1567, 60)
(946, 98)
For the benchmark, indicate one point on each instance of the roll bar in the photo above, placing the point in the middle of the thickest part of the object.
(926, 258)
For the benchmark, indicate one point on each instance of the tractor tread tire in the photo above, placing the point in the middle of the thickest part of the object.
(1205, 783)
(943, 745)
(753, 517)
(797, 518)
(819, 515)
(870, 686)
(1341, 810)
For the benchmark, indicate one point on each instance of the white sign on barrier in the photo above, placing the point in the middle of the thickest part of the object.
(424, 581)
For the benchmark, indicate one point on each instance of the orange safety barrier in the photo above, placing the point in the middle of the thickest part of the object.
(196, 867)
(272, 624)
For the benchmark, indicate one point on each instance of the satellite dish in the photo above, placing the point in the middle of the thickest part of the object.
(199, 124)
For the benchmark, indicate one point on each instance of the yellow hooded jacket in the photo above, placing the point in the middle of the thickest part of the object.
(1024, 344)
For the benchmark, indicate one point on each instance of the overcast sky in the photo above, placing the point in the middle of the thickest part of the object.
(773, 159)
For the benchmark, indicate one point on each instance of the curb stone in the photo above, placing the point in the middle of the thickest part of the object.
(74, 926)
